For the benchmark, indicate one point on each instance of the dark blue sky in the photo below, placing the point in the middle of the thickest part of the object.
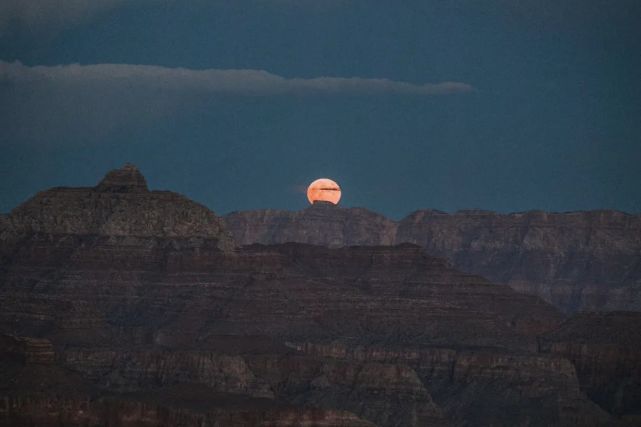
(543, 109)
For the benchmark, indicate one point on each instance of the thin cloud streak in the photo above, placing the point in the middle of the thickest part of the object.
(246, 82)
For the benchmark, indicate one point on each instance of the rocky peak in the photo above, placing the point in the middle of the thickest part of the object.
(127, 179)
(120, 205)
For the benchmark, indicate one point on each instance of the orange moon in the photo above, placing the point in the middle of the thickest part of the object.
(323, 190)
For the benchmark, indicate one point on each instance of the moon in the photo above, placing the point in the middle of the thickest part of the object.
(324, 190)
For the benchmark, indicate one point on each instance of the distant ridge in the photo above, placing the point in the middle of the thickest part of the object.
(579, 260)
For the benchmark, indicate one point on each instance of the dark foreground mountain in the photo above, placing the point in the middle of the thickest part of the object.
(121, 306)
(606, 351)
(576, 260)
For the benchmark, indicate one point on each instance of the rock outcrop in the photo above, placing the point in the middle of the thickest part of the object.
(127, 179)
(576, 260)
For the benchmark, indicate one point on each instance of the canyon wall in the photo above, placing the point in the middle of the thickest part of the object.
(122, 306)
(576, 261)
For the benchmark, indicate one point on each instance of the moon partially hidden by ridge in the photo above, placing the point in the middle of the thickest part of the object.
(324, 190)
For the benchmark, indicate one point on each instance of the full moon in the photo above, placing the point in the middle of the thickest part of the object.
(323, 190)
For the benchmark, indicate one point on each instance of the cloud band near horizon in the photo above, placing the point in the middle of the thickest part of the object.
(248, 82)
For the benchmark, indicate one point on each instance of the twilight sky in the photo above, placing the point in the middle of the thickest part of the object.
(506, 105)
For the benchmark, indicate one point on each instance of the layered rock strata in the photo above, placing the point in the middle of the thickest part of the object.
(156, 320)
(576, 260)
(120, 206)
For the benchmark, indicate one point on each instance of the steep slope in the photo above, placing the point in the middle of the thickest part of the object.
(606, 350)
(576, 261)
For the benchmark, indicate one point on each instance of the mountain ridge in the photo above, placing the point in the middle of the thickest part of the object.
(580, 260)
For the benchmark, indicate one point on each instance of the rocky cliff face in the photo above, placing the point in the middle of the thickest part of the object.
(139, 312)
(576, 261)
(321, 224)
(606, 350)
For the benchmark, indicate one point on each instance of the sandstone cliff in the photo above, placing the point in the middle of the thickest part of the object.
(576, 261)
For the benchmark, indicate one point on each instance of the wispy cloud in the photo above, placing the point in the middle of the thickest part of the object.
(41, 103)
(240, 82)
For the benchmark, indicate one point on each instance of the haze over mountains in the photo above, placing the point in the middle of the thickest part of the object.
(122, 306)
